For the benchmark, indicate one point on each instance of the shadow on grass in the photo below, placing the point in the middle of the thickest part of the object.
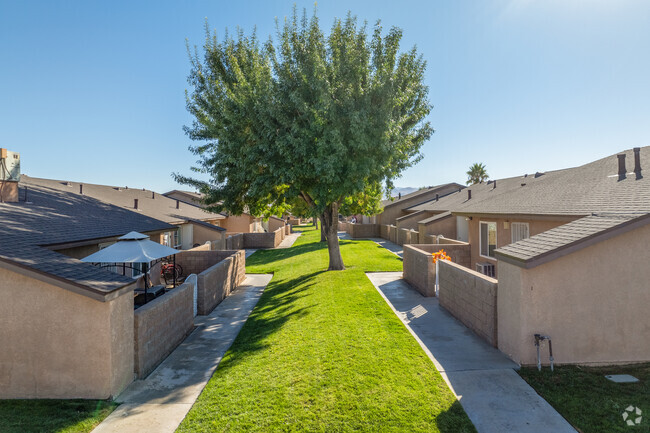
(454, 420)
(52, 415)
(266, 257)
(275, 308)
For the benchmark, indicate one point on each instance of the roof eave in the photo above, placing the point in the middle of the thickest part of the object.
(572, 247)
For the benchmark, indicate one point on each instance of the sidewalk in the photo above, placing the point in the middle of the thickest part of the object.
(160, 402)
(495, 398)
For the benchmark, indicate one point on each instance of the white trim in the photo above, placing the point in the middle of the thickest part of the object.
(480, 246)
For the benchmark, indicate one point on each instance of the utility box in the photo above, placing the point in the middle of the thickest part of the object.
(9, 166)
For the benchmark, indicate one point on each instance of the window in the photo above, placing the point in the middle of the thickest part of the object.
(519, 231)
(487, 239)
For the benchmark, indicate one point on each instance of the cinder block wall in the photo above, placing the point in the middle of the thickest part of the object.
(470, 297)
(363, 231)
(160, 326)
(403, 236)
(262, 240)
(197, 261)
(418, 267)
(216, 282)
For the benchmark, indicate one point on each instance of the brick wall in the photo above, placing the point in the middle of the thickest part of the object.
(470, 297)
(216, 282)
(160, 326)
(419, 270)
(363, 231)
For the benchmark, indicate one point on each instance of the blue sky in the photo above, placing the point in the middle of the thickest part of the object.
(94, 91)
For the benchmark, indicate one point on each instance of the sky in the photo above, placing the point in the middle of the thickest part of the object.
(94, 91)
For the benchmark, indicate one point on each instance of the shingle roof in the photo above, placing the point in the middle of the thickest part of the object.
(150, 203)
(590, 188)
(435, 217)
(387, 203)
(51, 217)
(567, 238)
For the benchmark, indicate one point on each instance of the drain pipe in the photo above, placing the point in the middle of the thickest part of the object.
(538, 339)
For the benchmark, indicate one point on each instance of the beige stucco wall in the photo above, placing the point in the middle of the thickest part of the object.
(203, 234)
(59, 344)
(363, 231)
(445, 226)
(10, 192)
(238, 224)
(593, 303)
(535, 227)
(410, 221)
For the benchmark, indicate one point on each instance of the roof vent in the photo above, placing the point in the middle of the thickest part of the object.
(437, 197)
(81, 188)
(469, 194)
(178, 204)
(621, 166)
(153, 195)
(66, 183)
(523, 184)
(117, 188)
(494, 184)
(526, 175)
(538, 174)
(637, 162)
(135, 203)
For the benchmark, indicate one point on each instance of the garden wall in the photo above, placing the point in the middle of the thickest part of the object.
(419, 269)
(363, 231)
(263, 240)
(235, 242)
(470, 297)
(216, 282)
(160, 326)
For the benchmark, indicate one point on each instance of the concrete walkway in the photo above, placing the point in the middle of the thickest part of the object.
(288, 241)
(390, 246)
(483, 379)
(160, 402)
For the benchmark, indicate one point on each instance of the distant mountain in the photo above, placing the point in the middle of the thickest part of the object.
(405, 190)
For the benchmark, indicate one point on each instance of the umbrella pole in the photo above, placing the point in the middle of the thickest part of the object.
(146, 296)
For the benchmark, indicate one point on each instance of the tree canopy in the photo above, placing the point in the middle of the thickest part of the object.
(329, 119)
(476, 174)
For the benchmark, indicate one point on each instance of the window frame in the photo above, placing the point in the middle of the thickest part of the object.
(480, 239)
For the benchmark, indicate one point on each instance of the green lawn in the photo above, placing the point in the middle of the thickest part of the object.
(65, 416)
(589, 401)
(322, 351)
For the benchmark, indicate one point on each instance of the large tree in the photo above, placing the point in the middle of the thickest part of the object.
(323, 118)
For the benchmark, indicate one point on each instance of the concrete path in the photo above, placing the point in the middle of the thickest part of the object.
(288, 241)
(491, 392)
(160, 402)
(390, 246)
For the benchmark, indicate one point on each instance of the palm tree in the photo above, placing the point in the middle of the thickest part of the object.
(476, 174)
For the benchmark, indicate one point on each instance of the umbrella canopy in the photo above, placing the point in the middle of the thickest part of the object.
(133, 247)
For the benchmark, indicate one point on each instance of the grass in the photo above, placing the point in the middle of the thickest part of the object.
(589, 401)
(322, 351)
(64, 416)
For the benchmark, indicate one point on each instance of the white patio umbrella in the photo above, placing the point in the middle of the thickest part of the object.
(133, 247)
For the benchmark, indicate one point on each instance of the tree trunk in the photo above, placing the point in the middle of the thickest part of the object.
(323, 233)
(330, 219)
